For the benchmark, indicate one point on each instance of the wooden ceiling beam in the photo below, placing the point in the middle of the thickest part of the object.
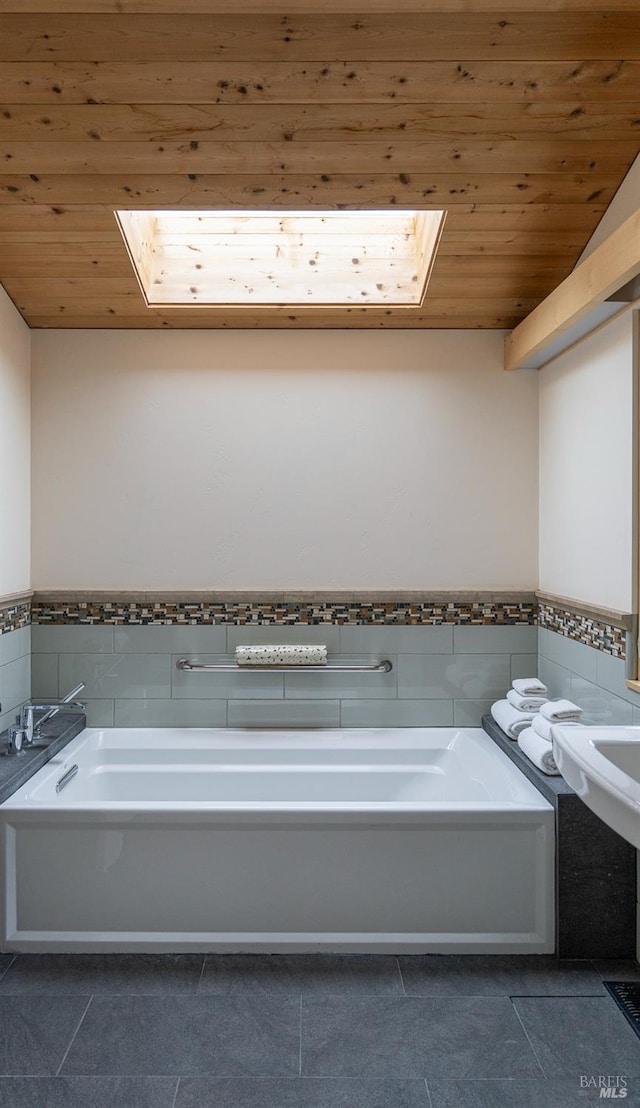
(439, 308)
(47, 268)
(444, 190)
(492, 321)
(158, 126)
(345, 158)
(615, 262)
(480, 265)
(466, 80)
(92, 259)
(491, 243)
(545, 35)
(28, 222)
(441, 287)
(57, 250)
(329, 7)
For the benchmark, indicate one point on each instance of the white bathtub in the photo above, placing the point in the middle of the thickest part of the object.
(183, 839)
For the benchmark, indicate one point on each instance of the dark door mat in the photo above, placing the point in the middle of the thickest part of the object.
(627, 996)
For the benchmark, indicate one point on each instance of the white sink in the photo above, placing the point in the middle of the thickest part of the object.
(602, 764)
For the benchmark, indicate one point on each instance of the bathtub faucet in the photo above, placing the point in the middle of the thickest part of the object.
(28, 728)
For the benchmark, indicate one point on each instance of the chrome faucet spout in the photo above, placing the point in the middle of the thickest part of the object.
(31, 729)
(53, 709)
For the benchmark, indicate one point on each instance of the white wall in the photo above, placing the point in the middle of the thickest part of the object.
(14, 449)
(586, 452)
(282, 459)
(586, 470)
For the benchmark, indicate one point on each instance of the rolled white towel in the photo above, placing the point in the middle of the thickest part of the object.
(509, 718)
(538, 751)
(561, 711)
(525, 703)
(542, 726)
(529, 686)
(311, 655)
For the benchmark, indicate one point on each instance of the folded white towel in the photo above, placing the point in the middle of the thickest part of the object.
(561, 711)
(538, 751)
(281, 655)
(525, 703)
(543, 726)
(529, 686)
(509, 718)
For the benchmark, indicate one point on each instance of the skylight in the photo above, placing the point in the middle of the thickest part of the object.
(299, 259)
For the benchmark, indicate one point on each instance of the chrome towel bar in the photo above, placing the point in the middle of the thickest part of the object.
(385, 666)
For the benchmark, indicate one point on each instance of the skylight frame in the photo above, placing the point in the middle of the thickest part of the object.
(298, 247)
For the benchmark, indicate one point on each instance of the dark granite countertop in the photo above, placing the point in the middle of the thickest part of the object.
(15, 769)
(550, 787)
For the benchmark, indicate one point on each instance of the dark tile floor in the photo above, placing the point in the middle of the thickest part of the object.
(311, 1031)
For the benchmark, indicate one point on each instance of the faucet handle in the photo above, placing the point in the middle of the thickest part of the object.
(15, 738)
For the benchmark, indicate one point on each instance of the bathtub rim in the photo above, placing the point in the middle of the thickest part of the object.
(529, 801)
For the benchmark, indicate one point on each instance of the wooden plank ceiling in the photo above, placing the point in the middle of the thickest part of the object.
(520, 120)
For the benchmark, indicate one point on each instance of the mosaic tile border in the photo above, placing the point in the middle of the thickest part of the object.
(340, 612)
(583, 629)
(15, 616)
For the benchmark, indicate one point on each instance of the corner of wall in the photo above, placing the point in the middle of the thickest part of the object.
(15, 449)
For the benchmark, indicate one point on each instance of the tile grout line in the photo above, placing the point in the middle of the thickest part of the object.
(5, 971)
(73, 1037)
(404, 990)
(175, 1095)
(300, 1048)
(526, 1033)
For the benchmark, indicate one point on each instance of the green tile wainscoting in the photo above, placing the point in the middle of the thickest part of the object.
(592, 678)
(15, 673)
(446, 672)
(442, 675)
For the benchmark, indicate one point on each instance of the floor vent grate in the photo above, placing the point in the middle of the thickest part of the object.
(627, 996)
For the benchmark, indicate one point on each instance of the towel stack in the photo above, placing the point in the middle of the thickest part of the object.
(535, 741)
(527, 716)
(523, 701)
